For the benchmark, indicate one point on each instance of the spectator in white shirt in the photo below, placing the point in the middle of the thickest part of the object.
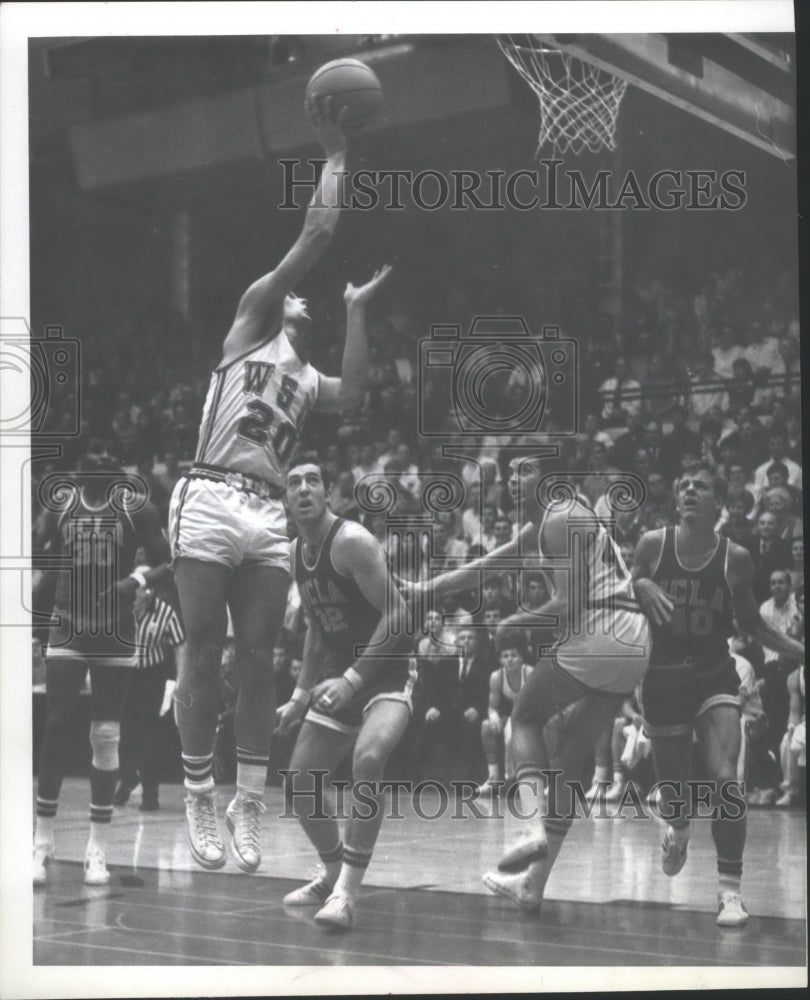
(780, 610)
(369, 464)
(778, 452)
(620, 396)
(762, 350)
(707, 394)
(410, 474)
(727, 351)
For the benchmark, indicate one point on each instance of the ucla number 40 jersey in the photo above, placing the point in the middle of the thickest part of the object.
(255, 408)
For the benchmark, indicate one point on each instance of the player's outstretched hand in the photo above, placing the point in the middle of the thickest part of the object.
(363, 293)
(654, 602)
(327, 120)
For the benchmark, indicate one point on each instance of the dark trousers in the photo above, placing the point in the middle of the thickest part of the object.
(449, 749)
(140, 750)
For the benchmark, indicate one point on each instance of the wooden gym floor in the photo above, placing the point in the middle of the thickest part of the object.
(607, 902)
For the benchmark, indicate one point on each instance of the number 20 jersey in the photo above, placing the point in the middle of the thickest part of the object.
(255, 408)
(702, 617)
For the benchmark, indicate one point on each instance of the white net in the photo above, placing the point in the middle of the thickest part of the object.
(579, 103)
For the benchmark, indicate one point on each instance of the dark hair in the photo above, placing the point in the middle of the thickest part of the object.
(511, 638)
(711, 425)
(745, 495)
(777, 467)
(720, 485)
(326, 478)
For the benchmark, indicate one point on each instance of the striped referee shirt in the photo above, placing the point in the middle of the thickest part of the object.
(156, 632)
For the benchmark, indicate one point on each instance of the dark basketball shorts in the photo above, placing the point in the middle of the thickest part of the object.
(674, 696)
(392, 682)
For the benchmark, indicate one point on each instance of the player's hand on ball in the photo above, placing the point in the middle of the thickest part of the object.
(327, 120)
(654, 602)
(363, 293)
(332, 694)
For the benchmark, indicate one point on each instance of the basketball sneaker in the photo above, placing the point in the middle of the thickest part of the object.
(42, 856)
(514, 888)
(532, 847)
(314, 893)
(95, 867)
(673, 852)
(203, 835)
(730, 909)
(489, 789)
(243, 817)
(337, 913)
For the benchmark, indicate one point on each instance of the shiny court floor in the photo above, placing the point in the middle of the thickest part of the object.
(607, 902)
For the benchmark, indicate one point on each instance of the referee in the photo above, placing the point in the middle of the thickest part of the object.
(160, 645)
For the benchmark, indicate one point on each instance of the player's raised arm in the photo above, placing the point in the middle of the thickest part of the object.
(470, 574)
(746, 612)
(320, 223)
(348, 392)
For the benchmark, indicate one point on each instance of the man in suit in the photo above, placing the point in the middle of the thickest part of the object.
(769, 552)
(456, 693)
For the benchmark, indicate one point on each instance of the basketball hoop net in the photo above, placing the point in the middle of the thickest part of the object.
(579, 103)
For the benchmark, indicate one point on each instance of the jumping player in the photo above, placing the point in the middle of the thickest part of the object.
(96, 525)
(694, 584)
(227, 523)
(357, 639)
(599, 659)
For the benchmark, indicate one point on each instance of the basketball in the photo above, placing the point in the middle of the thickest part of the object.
(352, 83)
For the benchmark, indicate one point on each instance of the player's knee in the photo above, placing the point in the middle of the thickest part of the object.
(368, 764)
(104, 739)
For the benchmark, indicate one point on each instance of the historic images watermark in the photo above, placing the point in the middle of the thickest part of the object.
(545, 188)
(431, 800)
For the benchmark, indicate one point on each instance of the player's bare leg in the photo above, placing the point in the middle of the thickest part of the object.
(317, 749)
(202, 587)
(383, 727)
(718, 731)
(672, 756)
(545, 692)
(257, 596)
(580, 729)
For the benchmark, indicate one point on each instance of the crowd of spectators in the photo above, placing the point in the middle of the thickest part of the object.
(705, 371)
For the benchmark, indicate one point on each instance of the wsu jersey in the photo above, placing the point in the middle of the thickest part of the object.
(599, 579)
(336, 603)
(702, 617)
(98, 543)
(255, 408)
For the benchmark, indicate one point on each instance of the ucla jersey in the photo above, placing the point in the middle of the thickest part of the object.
(702, 617)
(346, 618)
(255, 408)
(97, 544)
